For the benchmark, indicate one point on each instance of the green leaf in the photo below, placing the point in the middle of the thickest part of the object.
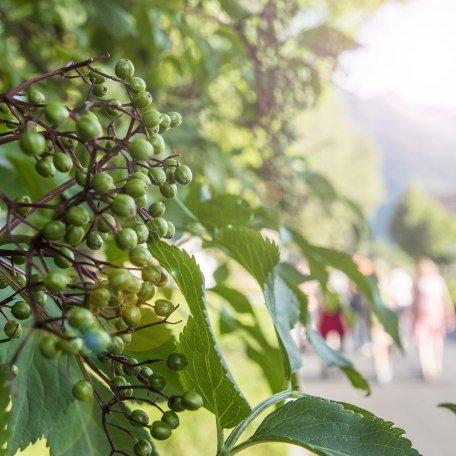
(331, 357)
(41, 394)
(207, 372)
(237, 300)
(448, 406)
(328, 428)
(4, 412)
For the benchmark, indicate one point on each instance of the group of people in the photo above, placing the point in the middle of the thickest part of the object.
(421, 299)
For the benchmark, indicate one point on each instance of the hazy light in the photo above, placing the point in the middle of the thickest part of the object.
(409, 50)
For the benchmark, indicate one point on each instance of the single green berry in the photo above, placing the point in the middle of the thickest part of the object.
(168, 190)
(144, 374)
(135, 188)
(142, 448)
(96, 339)
(183, 174)
(126, 239)
(56, 112)
(136, 84)
(80, 317)
(165, 123)
(192, 400)
(54, 230)
(106, 223)
(142, 232)
(82, 390)
(157, 382)
(21, 310)
(24, 199)
(170, 175)
(140, 256)
(49, 348)
(157, 209)
(159, 226)
(163, 307)
(69, 142)
(157, 176)
(139, 418)
(63, 162)
(140, 149)
(141, 201)
(151, 118)
(36, 97)
(95, 76)
(160, 430)
(176, 119)
(45, 167)
(119, 279)
(171, 418)
(124, 69)
(112, 110)
(94, 241)
(146, 292)
(12, 329)
(124, 205)
(89, 127)
(177, 361)
(20, 280)
(74, 234)
(131, 368)
(131, 315)
(151, 273)
(102, 183)
(81, 177)
(55, 281)
(159, 144)
(77, 216)
(175, 404)
(99, 297)
(71, 346)
(171, 230)
(117, 345)
(142, 99)
(40, 297)
(64, 258)
(100, 90)
(32, 143)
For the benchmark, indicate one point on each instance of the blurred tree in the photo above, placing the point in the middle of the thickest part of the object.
(422, 227)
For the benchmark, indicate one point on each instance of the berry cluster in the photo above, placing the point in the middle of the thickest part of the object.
(118, 175)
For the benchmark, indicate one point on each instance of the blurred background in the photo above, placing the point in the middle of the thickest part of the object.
(341, 115)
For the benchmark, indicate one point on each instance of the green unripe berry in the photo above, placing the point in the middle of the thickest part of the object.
(80, 316)
(81, 177)
(140, 256)
(183, 174)
(117, 345)
(20, 280)
(12, 329)
(77, 216)
(175, 404)
(146, 292)
(106, 223)
(140, 149)
(49, 348)
(72, 346)
(23, 210)
(45, 167)
(157, 209)
(176, 361)
(142, 448)
(100, 90)
(192, 400)
(124, 205)
(135, 188)
(159, 144)
(171, 230)
(96, 77)
(118, 380)
(141, 201)
(159, 226)
(111, 111)
(56, 281)
(151, 274)
(96, 339)
(157, 176)
(56, 112)
(36, 97)
(21, 310)
(136, 84)
(124, 69)
(139, 418)
(94, 241)
(142, 99)
(176, 119)
(32, 143)
(144, 374)
(102, 183)
(63, 162)
(54, 230)
(157, 382)
(170, 175)
(142, 232)
(99, 297)
(163, 307)
(89, 127)
(168, 190)
(171, 418)
(74, 235)
(119, 279)
(151, 118)
(165, 123)
(160, 430)
(131, 315)
(126, 239)
(131, 368)
(64, 258)
(69, 142)
(82, 390)
(40, 297)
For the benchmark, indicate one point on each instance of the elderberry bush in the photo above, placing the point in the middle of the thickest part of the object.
(118, 178)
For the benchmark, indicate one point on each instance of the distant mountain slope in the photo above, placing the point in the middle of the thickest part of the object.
(418, 144)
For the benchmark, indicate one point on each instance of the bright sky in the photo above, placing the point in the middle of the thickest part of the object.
(409, 50)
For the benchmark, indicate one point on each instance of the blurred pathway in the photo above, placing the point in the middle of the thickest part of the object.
(407, 401)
